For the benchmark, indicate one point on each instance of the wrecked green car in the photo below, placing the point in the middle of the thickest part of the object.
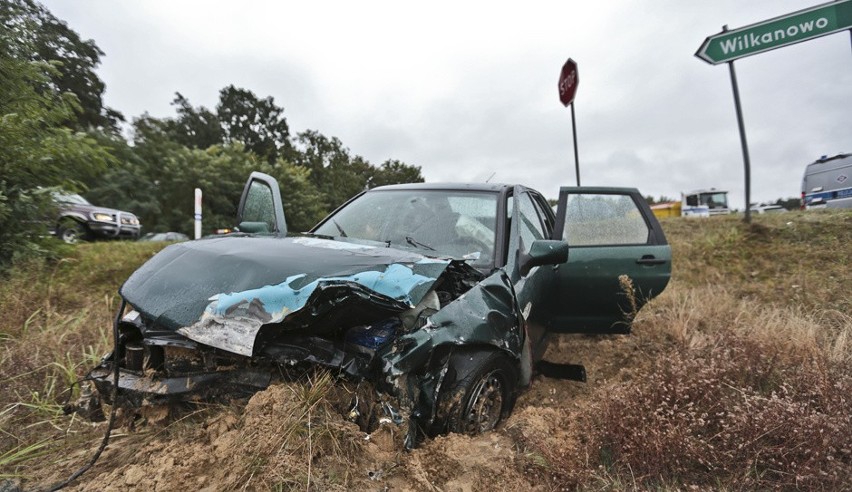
(443, 296)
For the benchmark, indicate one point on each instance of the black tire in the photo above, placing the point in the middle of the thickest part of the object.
(70, 231)
(478, 392)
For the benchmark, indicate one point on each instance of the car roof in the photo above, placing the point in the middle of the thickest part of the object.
(493, 187)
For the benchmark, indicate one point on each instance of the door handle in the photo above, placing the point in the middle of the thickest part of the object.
(650, 260)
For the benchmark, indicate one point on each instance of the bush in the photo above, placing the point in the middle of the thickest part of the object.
(733, 412)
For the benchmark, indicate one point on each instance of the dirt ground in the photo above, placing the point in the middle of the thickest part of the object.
(253, 445)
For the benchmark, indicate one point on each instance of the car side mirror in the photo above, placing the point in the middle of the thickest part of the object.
(542, 252)
(253, 227)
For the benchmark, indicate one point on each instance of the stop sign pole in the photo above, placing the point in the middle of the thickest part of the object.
(569, 79)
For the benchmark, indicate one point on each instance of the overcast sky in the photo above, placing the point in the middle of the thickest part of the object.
(467, 89)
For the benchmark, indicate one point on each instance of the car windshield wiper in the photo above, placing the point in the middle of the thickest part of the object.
(314, 234)
(342, 233)
(410, 240)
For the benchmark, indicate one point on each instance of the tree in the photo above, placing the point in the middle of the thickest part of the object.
(36, 153)
(30, 32)
(256, 123)
(663, 199)
(335, 173)
(129, 184)
(195, 127)
(393, 171)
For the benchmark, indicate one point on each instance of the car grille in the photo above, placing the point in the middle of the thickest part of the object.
(125, 220)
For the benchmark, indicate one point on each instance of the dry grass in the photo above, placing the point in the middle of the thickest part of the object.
(752, 386)
(749, 397)
(56, 324)
(737, 377)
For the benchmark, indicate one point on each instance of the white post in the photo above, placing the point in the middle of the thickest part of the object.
(198, 213)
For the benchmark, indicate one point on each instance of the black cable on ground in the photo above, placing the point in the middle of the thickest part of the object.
(105, 441)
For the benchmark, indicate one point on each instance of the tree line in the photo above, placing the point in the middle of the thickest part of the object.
(57, 133)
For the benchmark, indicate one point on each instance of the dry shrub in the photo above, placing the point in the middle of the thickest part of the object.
(293, 436)
(288, 437)
(751, 396)
(741, 395)
(733, 413)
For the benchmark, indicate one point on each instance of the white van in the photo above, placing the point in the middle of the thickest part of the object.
(704, 203)
(828, 183)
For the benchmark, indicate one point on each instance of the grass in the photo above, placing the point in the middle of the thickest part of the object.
(751, 386)
(56, 324)
(737, 377)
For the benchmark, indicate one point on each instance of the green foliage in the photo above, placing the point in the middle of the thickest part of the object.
(393, 171)
(338, 175)
(256, 123)
(217, 152)
(789, 203)
(36, 153)
(31, 33)
(56, 133)
(194, 127)
(663, 199)
(126, 184)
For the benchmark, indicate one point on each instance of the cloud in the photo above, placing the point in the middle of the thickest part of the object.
(468, 89)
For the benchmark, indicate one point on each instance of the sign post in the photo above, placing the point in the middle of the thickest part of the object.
(198, 213)
(743, 141)
(569, 79)
(777, 32)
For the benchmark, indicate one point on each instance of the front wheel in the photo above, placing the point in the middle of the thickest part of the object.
(72, 231)
(479, 391)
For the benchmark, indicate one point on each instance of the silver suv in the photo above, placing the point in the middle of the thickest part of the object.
(79, 219)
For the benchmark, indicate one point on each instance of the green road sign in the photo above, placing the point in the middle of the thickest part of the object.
(774, 33)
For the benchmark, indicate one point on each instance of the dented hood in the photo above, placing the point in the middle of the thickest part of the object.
(268, 279)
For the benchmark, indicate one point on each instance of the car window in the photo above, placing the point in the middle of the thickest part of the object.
(259, 206)
(530, 227)
(71, 198)
(542, 207)
(450, 222)
(603, 219)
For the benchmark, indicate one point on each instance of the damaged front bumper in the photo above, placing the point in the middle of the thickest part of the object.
(138, 389)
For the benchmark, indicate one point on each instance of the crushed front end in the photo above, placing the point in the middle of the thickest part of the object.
(391, 320)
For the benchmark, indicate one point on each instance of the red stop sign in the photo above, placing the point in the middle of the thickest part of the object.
(569, 78)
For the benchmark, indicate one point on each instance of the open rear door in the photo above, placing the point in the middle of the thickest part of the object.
(618, 260)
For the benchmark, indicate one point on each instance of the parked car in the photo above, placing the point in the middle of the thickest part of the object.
(767, 208)
(164, 237)
(442, 295)
(78, 219)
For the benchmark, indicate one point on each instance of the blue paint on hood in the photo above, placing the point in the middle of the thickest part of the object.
(175, 287)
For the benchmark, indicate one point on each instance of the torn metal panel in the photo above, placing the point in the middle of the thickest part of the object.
(484, 315)
(231, 321)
